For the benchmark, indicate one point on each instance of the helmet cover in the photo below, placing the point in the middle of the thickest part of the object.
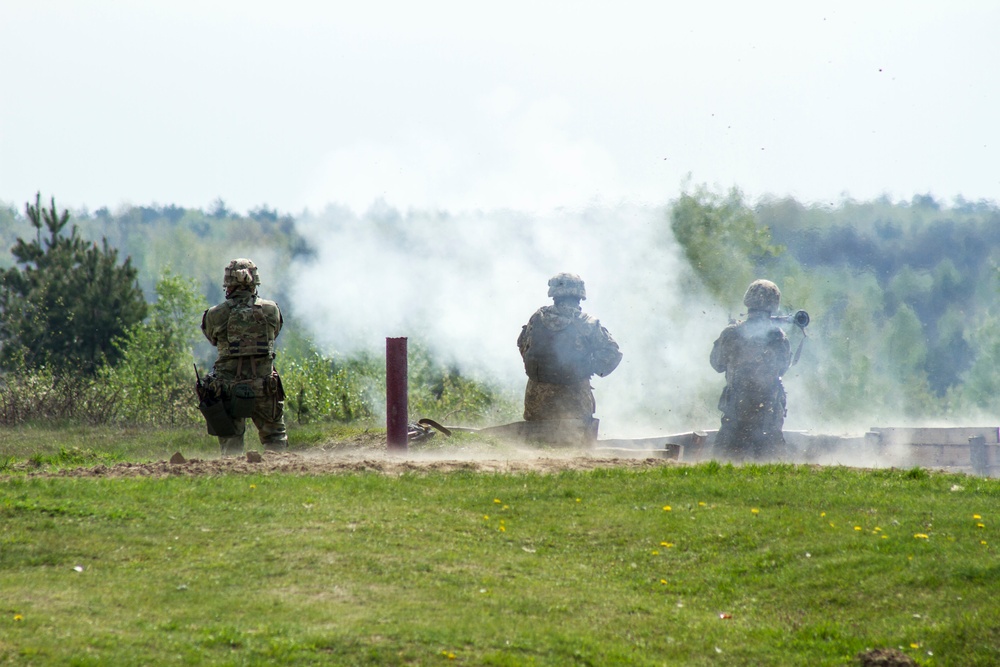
(567, 285)
(762, 295)
(241, 272)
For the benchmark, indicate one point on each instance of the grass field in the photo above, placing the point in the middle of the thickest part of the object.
(673, 565)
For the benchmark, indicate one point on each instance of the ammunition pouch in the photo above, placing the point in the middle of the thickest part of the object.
(273, 387)
(223, 402)
(242, 401)
(217, 419)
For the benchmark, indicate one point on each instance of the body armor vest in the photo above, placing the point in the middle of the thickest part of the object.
(248, 332)
(557, 350)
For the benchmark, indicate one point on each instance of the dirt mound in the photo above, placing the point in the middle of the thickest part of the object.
(368, 456)
(885, 657)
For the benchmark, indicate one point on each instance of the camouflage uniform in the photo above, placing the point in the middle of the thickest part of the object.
(562, 347)
(243, 329)
(754, 355)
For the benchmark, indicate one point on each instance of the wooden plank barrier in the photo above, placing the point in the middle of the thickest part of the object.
(964, 449)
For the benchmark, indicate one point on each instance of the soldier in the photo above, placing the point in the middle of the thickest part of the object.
(243, 329)
(562, 347)
(754, 355)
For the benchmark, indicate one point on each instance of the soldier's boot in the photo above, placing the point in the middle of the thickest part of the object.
(276, 445)
(232, 445)
(273, 437)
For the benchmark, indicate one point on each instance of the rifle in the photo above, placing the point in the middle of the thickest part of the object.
(199, 386)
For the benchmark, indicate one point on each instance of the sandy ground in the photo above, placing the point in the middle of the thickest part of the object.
(370, 454)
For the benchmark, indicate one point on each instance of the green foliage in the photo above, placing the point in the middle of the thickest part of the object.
(67, 301)
(198, 244)
(343, 389)
(318, 387)
(153, 382)
(980, 386)
(721, 238)
(928, 273)
(444, 394)
(44, 396)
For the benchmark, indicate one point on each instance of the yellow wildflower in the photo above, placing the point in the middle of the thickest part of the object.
(496, 500)
(666, 508)
(666, 544)
(857, 528)
(920, 536)
(755, 511)
(253, 486)
(980, 525)
(18, 617)
(976, 516)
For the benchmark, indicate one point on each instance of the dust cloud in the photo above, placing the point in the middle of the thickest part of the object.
(464, 283)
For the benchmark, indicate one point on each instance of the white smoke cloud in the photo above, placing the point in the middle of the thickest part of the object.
(467, 282)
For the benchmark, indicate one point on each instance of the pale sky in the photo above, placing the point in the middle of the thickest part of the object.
(474, 105)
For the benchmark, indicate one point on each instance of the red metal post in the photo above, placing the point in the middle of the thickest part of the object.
(396, 404)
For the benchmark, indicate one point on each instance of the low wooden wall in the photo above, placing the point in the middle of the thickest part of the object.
(974, 450)
(969, 449)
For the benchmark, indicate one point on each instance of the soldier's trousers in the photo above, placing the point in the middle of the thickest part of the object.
(752, 434)
(269, 418)
(544, 400)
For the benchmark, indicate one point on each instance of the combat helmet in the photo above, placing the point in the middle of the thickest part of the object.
(762, 295)
(240, 272)
(567, 285)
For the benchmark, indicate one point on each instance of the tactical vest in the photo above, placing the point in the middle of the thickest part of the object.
(757, 357)
(248, 333)
(558, 356)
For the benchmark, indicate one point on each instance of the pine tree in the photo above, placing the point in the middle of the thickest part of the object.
(66, 299)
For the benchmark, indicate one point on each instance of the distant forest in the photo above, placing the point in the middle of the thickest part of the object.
(188, 242)
(902, 294)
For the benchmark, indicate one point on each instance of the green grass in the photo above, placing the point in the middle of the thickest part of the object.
(756, 565)
(51, 447)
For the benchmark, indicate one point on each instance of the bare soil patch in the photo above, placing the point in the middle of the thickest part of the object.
(372, 455)
(885, 657)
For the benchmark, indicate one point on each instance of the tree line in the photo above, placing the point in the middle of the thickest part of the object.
(98, 311)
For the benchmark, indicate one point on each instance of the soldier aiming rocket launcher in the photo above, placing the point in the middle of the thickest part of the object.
(799, 319)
